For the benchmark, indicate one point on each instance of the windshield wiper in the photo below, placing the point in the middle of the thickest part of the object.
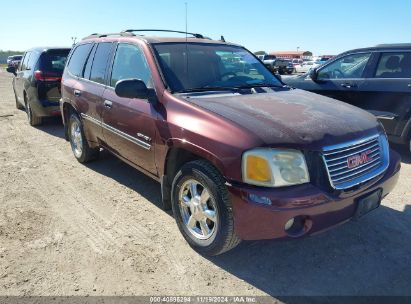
(209, 89)
(232, 89)
(259, 85)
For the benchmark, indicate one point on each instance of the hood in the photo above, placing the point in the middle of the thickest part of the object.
(292, 117)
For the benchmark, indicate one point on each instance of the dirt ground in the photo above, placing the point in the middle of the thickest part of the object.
(98, 229)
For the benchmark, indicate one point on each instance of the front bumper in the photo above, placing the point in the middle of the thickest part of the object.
(321, 210)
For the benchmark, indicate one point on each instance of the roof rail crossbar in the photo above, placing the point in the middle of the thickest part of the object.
(196, 35)
(100, 35)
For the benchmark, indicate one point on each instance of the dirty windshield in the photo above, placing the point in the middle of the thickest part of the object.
(194, 66)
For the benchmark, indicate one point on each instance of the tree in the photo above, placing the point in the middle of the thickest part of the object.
(260, 53)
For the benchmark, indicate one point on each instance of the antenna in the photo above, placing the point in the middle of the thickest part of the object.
(185, 3)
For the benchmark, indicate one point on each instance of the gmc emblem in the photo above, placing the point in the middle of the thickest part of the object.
(358, 160)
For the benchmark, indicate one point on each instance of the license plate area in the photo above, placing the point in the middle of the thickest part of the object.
(368, 203)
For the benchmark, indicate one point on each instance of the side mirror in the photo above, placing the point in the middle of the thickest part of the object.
(278, 76)
(132, 88)
(313, 74)
(11, 69)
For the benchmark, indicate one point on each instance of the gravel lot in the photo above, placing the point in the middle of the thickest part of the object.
(70, 229)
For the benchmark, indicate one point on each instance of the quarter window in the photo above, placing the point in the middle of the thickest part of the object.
(78, 58)
(394, 65)
(130, 62)
(101, 58)
(351, 66)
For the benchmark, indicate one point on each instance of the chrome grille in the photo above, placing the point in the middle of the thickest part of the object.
(342, 175)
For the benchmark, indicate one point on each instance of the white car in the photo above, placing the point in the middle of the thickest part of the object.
(305, 66)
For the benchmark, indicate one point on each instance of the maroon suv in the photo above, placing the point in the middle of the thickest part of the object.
(238, 154)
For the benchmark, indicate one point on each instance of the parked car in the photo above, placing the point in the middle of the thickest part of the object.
(305, 66)
(37, 82)
(377, 79)
(297, 61)
(238, 155)
(277, 65)
(14, 60)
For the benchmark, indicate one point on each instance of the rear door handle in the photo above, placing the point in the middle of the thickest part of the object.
(409, 85)
(108, 104)
(349, 85)
(77, 93)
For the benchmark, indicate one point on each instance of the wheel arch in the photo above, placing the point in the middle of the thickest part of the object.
(180, 152)
(67, 108)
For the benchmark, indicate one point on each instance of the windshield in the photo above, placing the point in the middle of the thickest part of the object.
(191, 66)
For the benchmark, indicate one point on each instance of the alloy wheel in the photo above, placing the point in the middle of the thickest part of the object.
(198, 210)
(76, 138)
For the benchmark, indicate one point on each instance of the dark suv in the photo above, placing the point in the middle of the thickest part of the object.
(37, 82)
(376, 79)
(239, 155)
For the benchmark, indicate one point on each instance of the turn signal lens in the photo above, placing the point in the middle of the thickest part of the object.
(258, 169)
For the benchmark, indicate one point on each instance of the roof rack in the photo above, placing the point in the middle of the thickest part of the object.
(196, 35)
(394, 45)
(97, 35)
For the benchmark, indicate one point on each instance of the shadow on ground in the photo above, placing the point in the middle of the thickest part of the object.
(111, 166)
(52, 126)
(370, 256)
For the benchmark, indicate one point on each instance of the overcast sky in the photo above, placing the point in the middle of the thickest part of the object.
(323, 27)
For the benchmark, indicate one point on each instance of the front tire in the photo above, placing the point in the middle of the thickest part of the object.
(202, 209)
(79, 145)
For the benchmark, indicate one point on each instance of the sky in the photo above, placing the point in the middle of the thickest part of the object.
(320, 26)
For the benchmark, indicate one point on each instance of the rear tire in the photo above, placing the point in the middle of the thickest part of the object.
(19, 106)
(79, 145)
(33, 119)
(202, 209)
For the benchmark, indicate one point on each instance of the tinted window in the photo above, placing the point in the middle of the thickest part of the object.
(394, 65)
(130, 63)
(351, 66)
(34, 56)
(87, 68)
(53, 61)
(26, 59)
(78, 58)
(101, 58)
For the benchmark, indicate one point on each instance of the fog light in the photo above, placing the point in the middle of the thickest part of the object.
(289, 224)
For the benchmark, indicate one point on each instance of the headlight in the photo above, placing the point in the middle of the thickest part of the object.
(274, 167)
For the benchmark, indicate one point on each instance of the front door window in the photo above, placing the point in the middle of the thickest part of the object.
(347, 67)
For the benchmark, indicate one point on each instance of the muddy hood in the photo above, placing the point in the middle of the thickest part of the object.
(292, 118)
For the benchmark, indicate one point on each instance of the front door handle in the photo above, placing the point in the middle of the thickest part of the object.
(77, 93)
(348, 85)
(409, 85)
(108, 104)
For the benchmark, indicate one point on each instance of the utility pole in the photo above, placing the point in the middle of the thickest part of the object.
(74, 39)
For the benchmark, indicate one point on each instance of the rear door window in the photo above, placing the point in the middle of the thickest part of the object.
(87, 68)
(31, 64)
(394, 65)
(78, 59)
(100, 62)
(25, 61)
(53, 61)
